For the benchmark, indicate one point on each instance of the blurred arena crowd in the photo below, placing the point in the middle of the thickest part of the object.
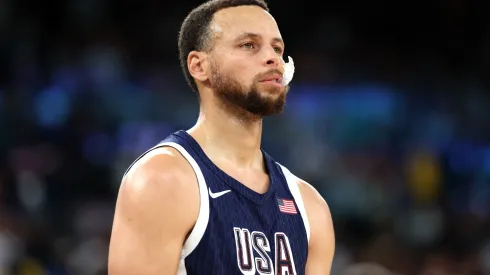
(387, 117)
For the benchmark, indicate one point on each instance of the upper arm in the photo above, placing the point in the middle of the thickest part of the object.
(157, 206)
(321, 247)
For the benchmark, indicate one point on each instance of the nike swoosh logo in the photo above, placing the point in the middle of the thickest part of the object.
(219, 194)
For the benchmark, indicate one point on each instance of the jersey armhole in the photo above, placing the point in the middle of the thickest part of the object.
(199, 229)
(203, 217)
(294, 189)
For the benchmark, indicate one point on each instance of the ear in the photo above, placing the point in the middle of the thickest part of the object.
(196, 62)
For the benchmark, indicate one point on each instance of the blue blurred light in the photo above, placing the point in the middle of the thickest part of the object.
(463, 158)
(358, 102)
(52, 107)
(138, 136)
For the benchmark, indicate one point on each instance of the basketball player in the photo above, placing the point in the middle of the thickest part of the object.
(209, 200)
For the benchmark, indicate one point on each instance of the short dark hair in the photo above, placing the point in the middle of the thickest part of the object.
(194, 33)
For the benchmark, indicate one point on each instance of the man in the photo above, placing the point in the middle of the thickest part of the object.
(208, 200)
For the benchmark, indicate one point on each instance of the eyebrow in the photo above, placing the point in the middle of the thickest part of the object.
(257, 36)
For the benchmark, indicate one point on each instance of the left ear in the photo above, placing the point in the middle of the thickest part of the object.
(197, 65)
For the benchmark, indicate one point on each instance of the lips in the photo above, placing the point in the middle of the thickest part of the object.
(273, 77)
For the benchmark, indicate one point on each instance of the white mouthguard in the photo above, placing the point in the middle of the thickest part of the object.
(288, 71)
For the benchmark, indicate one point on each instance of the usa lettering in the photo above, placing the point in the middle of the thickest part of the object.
(253, 253)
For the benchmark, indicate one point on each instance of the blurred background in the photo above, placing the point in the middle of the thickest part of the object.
(388, 117)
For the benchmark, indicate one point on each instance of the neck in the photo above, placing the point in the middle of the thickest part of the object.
(228, 137)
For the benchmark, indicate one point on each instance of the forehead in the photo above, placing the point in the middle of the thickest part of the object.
(231, 22)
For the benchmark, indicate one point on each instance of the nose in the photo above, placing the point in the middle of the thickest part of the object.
(272, 59)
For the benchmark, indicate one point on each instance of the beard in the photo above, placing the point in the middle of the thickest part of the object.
(247, 102)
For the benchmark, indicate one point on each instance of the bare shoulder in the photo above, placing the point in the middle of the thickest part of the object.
(160, 180)
(157, 206)
(161, 170)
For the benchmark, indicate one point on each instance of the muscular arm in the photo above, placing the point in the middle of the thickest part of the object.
(322, 238)
(157, 206)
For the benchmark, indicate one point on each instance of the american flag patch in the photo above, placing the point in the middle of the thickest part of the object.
(286, 206)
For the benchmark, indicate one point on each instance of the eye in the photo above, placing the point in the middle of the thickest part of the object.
(278, 50)
(248, 46)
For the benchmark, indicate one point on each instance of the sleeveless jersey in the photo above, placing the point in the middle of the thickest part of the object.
(240, 231)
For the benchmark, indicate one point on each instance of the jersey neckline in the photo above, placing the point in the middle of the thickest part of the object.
(242, 189)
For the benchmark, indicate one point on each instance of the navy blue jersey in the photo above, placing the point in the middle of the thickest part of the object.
(240, 231)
